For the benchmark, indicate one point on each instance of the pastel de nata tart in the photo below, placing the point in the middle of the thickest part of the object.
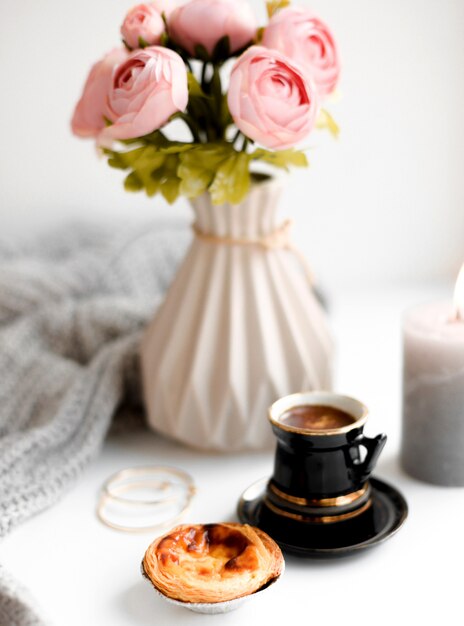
(212, 563)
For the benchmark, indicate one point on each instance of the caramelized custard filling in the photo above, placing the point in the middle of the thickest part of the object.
(211, 550)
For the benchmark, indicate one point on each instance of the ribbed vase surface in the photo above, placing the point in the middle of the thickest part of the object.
(239, 328)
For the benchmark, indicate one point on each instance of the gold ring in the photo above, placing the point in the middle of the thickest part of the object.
(115, 486)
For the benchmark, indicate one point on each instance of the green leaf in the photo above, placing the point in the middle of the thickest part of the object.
(221, 51)
(198, 167)
(141, 158)
(175, 147)
(327, 122)
(152, 183)
(149, 179)
(259, 35)
(169, 182)
(170, 189)
(216, 87)
(130, 142)
(224, 113)
(281, 158)
(207, 156)
(142, 43)
(201, 52)
(147, 164)
(201, 111)
(149, 158)
(132, 182)
(115, 161)
(123, 160)
(232, 180)
(274, 5)
(194, 180)
(194, 86)
(157, 138)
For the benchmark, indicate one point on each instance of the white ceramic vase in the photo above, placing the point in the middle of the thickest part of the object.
(239, 328)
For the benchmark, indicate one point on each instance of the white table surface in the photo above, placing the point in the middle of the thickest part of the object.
(84, 574)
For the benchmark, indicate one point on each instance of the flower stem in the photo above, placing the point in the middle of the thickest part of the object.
(193, 127)
(235, 137)
(203, 77)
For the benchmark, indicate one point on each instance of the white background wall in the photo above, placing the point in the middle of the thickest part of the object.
(385, 202)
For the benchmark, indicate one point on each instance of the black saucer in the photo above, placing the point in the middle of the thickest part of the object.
(382, 520)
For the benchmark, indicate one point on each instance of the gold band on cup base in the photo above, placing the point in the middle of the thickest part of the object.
(347, 498)
(322, 519)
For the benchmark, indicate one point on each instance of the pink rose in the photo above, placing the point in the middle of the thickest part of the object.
(302, 36)
(91, 110)
(205, 22)
(144, 21)
(165, 6)
(146, 90)
(271, 99)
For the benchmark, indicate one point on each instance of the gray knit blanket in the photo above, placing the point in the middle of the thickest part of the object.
(72, 306)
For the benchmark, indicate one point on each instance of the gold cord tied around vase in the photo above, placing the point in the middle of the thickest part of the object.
(278, 238)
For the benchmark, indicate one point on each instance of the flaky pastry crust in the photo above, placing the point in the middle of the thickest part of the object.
(212, 562)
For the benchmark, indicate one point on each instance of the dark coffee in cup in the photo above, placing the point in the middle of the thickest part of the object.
(323, 459)
(316, 417)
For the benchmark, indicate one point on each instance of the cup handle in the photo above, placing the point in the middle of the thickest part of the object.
(374, 446)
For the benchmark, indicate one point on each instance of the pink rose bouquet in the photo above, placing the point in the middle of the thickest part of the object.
(171, 68)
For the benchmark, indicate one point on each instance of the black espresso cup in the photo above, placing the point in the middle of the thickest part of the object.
(323, 459)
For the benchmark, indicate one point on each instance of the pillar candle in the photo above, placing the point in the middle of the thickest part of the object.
(433, 391)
